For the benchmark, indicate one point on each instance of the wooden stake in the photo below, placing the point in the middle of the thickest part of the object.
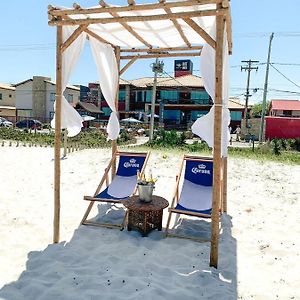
(220, 22)
(114, 143)
(57, 142)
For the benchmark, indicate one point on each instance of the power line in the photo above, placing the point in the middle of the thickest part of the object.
(285, 76)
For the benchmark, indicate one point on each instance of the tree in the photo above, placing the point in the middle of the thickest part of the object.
(257, 109)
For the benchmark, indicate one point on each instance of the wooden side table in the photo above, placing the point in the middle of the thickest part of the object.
(145, 216)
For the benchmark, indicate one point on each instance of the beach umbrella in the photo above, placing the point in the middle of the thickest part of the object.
(88, 118)
(155, 116)
(131, 120)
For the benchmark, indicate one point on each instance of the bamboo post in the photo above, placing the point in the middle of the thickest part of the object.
(224, 189)
(57, 142)
(220, 22)
(114, 143)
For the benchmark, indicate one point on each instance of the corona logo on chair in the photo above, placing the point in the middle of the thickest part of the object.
(131, 164)
(200, 169)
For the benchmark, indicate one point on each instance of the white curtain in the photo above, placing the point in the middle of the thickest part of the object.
(70, 118)
(204, 126)
(108, 73)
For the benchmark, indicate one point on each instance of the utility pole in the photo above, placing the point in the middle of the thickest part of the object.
(248, 68)
(262, 120)
(157, 67)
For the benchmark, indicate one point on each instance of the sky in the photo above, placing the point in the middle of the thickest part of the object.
(27, 46)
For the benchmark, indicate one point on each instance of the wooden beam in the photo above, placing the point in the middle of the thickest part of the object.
(73, 37)
(54, 11)
(201, 32)
(229, 30)
(114, 142)
(154, 55)
(224, 189)
(181, 15)
(57, 141)
(179, 29)
(127, 27)
(162, 49)
(132, 61)
(97, 37)
(220, 23)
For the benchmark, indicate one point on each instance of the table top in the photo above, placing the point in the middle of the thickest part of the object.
(157, 203)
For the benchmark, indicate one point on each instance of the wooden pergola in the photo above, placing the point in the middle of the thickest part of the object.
(181, 15)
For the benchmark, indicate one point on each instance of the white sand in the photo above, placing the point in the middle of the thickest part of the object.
(259, 242)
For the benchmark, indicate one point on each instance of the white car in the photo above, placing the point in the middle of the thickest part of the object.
(5, 123)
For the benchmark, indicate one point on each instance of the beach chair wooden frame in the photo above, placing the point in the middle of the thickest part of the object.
(175, 200)
(105, 179)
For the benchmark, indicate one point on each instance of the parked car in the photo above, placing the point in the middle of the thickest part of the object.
(30, 123)
(5, 123)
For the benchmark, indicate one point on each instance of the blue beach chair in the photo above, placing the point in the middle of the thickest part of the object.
(121, 187)
(195, 198)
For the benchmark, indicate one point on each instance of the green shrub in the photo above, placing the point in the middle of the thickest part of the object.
(87, 139)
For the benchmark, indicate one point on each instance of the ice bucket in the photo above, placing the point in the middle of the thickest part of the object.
(145, 192)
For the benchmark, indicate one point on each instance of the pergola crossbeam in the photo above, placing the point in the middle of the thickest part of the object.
(62, 12)
(179, 29)
(201, 32)
(162, 49)
(126, 26)
(145, 18)
(155, 55)
(73, 37)
(96, 36)
(132, 61)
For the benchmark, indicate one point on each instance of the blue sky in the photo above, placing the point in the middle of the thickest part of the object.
(27, 45)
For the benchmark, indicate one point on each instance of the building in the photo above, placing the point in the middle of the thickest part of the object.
(7, 102)
(285, 108)
(35, 98)
(284, 120)
(179, 101)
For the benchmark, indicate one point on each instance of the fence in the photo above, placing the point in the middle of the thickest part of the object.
(284, 128)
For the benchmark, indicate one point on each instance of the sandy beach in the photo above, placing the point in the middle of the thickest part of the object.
(258, 251)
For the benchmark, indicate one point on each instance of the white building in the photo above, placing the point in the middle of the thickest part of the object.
(35, 98)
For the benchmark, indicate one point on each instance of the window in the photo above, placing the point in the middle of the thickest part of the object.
(236, 115)
(200, 97)
(122, 95)
(9, 96)
(287, 113)
(106, 110)
(148, 96)
(170, 96)
(70, 98)
(195, 114)
(52, 97)
(139, 96)
(0, 96)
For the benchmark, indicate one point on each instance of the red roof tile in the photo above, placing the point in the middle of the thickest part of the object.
(285, 104)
